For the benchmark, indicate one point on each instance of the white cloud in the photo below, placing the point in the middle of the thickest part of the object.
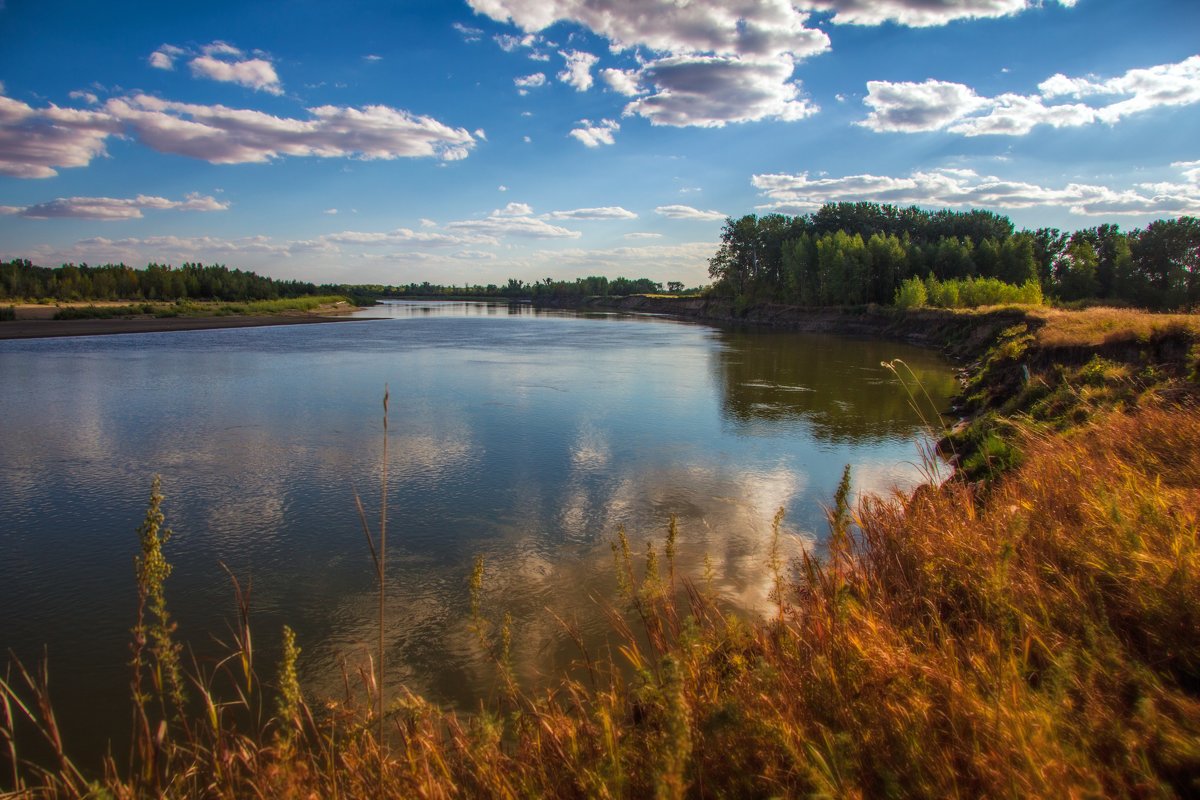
(687, 212)
(501, 188)
(254, 73)
(605, 212)
(643, 235)
(223, 135)
(514, 210)
(372, 57)
(510, 44)
(87, 97)
(920, 13)
(715, 63)
(763, 28)
(427, 223)
(622, 81)
(330, 211)
(35, 142)
(594, 135)
(527, 82)
(219, 48)
(468, 33)
(113, 208)
(509, 221)
(924, 106)
(798, 193)
(220, 61)
(711, 91)
(393, 238)
(938, 105)
(164, 57)
(578, 72)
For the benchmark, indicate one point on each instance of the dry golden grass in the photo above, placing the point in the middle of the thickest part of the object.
(1095, 327)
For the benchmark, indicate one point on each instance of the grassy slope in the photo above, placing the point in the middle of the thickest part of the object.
(1033, 634)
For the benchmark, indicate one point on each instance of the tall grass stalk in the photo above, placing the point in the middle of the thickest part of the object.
(379, 557)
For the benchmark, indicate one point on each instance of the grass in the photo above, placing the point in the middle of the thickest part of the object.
(1037, 639)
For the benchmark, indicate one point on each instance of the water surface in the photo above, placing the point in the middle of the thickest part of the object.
(525, 437)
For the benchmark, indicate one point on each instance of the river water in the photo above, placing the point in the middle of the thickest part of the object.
(525, 437)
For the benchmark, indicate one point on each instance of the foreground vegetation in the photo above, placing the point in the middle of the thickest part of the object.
(1026, 629)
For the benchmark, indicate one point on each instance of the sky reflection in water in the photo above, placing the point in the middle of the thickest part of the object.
(525, 437)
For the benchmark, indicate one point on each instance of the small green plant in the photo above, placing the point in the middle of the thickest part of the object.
(8, 313)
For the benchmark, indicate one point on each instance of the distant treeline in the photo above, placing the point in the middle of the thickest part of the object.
(20, 279)
(854, 253)
(591, 286)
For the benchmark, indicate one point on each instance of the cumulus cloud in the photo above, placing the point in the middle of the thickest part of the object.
(164, 57)
(604, 212)
(920, 13)
(113, 208)
(223, 135)
(798, 193)
(35, 142)
(767, 27)
(715, 62)
(924, 106)
(594, 135)
(254, 73)
(514, 210)
(526, 82)
(88, 97)
(622, 81)
(687, 212)
(938, 105)
(711, 91)
(221, 61)
(578, 72)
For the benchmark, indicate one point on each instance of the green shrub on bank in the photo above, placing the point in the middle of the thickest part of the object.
(8, 313)
(966, 293)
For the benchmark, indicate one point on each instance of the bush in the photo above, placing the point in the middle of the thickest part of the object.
(911, 294)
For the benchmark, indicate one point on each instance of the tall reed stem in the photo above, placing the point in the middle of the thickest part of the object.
(382, 557)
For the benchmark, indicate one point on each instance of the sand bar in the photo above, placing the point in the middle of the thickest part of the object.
(39, 328)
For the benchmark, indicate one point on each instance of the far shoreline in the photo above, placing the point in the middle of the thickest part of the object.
(55, 328)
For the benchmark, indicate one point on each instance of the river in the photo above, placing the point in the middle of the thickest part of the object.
(525, 437)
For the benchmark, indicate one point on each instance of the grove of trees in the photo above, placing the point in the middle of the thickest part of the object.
(855, 253)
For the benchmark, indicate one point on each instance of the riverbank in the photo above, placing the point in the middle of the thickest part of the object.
(34, 321)
(1028, 629)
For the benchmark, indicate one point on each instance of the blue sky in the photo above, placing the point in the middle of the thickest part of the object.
(479, 140)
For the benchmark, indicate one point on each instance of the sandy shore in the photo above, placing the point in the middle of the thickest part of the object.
(39, 328)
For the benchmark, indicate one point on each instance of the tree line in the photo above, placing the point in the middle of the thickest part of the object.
(856, 253)
(21, 279)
